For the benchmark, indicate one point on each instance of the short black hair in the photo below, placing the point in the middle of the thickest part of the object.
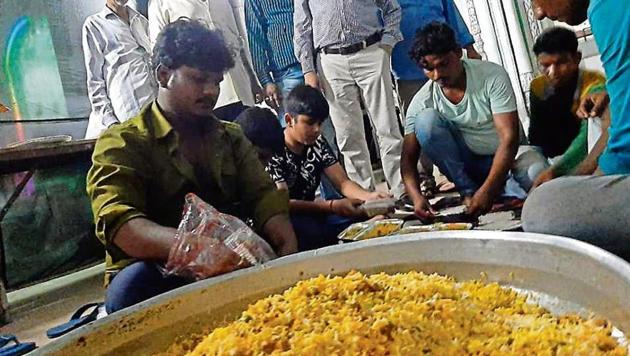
(436, 38)
(306, 100)
(190, 43)
(262, 128)
(556, 40)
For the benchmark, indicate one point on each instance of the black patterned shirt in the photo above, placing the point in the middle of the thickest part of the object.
(302, 173)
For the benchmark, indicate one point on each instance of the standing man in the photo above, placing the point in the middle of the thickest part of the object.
(346, 46)
(594, 208)
(239, 86)
(117, 50)
(416, 14)
(270, 34)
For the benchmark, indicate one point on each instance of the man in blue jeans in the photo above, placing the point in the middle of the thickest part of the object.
(409, 78)
(464, 119)
(270, 34)
(300, 162)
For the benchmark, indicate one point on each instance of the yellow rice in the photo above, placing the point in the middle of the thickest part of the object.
(405, 314)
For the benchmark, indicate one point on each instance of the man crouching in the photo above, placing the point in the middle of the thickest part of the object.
(142, 169)
(465, 120)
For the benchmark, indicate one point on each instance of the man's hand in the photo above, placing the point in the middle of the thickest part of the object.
(280, 235)
(480, 204)
(422, 208)
(593, 105)
(544, 177)
(204, 257)
(273, 97)
(311, 80)
(386, 48)
(349, 208)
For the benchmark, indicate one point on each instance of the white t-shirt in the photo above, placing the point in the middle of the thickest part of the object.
(488, 92)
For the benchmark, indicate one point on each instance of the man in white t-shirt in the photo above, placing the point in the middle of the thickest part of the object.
(465, 120)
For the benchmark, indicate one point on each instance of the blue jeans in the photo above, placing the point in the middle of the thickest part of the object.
(442, 142)
(138, 282)
(315, 231)
(287, 80)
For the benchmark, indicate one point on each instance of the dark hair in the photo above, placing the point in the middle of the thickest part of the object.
(306, 100)
(190, 43)
(436, 38)
(262, 128)
(556, 40)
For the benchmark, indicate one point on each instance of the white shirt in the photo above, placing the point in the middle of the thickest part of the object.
(120, 81)
(220, 15)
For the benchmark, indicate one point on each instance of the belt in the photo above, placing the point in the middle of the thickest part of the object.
(354, 48)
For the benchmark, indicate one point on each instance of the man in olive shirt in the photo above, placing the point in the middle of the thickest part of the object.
(143, 168)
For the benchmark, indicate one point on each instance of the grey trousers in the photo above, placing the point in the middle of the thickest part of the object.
(588, 208)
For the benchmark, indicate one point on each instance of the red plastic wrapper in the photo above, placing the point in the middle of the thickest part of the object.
(209, 243)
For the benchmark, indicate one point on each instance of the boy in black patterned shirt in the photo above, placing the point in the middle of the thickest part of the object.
(299, 165)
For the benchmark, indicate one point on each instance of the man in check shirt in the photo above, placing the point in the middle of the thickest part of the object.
(346, 46)
(117, 59)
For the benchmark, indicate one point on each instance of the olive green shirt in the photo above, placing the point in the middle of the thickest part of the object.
(139, 171)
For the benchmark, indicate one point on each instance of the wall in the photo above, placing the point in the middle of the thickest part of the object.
(42, 75)
(505, 32)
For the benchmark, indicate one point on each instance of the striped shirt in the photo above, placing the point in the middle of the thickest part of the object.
(270, 34)
(339, 23)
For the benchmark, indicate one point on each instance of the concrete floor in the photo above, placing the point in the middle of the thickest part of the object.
(34, 310)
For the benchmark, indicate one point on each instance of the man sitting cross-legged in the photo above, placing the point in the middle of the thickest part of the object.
(298, 167)
(465, 120)
(555, 98)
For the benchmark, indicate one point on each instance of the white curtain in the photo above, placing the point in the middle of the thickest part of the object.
(504, 31)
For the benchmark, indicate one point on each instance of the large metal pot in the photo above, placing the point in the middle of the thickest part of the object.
(564, 275)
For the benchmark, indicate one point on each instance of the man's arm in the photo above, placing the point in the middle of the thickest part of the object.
(348, 188)
(507, 126)
(409, 172)
(259, 195)
(258, 42)
(590, 164)
(143, 239)
(392, 14)
(116, 186)
(343, 207)
(281, 235)
(303, 36)
(96, 84)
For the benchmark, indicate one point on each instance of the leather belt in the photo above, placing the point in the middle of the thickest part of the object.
(354, 48)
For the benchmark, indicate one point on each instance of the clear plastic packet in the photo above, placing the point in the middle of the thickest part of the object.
(209, 243)
(370, 230)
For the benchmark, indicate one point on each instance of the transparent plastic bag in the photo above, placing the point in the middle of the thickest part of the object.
(209, 243)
